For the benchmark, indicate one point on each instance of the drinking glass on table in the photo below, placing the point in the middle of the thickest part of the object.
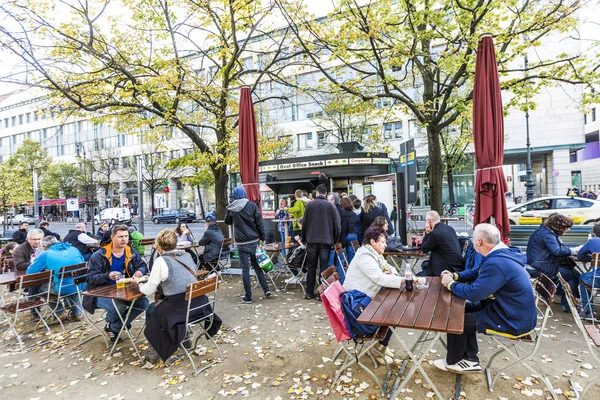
(120, 281)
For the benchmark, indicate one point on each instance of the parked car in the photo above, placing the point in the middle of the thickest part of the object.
(581, 211)
(174, 216)
(19, 218)
(113, 215)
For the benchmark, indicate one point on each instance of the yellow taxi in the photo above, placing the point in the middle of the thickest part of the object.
(581, 211)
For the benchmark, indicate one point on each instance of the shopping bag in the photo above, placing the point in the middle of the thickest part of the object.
(332, 302)
(264, 261)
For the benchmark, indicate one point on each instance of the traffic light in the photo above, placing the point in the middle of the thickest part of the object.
(167, 190)
(166, 182)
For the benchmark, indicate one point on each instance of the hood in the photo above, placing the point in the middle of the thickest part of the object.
(520, 258)
(60, 246)
(239, 193)
(237, 205)
(213, 227)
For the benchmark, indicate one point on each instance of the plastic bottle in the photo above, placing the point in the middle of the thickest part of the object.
(408, 276)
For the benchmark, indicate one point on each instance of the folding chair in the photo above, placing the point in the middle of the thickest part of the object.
(329, 276)
(591, 335)
(544, 291)
(203, 324)
(79, 280)
(22, 303)
(301, 277)
(221, 265)
(149, 243)
(355, 349)
(65, 273)
(593, 290)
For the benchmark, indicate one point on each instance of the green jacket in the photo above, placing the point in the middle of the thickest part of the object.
(297, 211)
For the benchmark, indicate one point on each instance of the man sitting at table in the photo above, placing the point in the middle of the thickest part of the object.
(500, 300)
(26, 253)
(111, 260)
(80, 240)
(211, 240)
(441, 242)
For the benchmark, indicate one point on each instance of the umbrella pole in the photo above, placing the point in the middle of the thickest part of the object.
(493, 221)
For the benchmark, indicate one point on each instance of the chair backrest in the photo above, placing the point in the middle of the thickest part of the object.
(79, 276)
(355, 244)
(202, 287)
(329, 276)
(339, 248)
(545, 289)
(66, 272)
(147, 241)
(226, 243)
(30, 280)
(595, 260)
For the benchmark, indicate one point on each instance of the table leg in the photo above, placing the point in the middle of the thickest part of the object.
(417, 360)
(124, 327)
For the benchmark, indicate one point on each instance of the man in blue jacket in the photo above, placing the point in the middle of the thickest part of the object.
(248, 230)
(106, 264)
(500, 299)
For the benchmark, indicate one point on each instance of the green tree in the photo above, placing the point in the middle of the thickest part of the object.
(455, 140)
(420, 54)
(61, 180)
(195, 172)
(175, 64)
(15, 188)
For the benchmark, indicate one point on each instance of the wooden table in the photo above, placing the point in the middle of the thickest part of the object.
(406, 255)
(129, 293)
(9, 278)
(434, 310)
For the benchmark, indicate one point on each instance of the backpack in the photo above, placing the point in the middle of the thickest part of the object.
(136, 237)
(354, 303)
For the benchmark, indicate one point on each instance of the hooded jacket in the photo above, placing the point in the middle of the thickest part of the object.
(297, 211)
(99, 270)
(545, 251)
(247, 222)
(211, 240)
(58, 256)
(502, 285)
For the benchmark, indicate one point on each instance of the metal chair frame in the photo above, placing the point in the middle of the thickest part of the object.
(22, 303)
(594, 291)
(198, 327)
(301, 275)
(544, 292)
(65, 272)
(593, 349)
(220, 265)
(80, 278)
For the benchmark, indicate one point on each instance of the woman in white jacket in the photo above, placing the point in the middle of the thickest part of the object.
(369, 272)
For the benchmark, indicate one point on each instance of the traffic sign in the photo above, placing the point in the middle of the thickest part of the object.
(73, 204)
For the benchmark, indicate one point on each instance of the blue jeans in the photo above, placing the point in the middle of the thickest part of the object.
(572, 278)
(112, 317)
(247, 254)
(349, 249)
(587, 278)
(282, 236)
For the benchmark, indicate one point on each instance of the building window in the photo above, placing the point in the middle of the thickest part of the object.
(393, 130)
(415, 129)
(35, 115)
(21, 119)
(323, 139)
(28, 118)
(13, 121)
(305, 141)
(6, 122)
(594, 114)
(126, 162)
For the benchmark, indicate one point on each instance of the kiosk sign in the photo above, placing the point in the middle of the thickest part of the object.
(304, 164)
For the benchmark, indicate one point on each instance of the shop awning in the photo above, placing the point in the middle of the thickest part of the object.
(56, 202)
(289, 187)
(131, 190)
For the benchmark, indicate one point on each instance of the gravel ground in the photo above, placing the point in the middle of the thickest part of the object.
(274, 348)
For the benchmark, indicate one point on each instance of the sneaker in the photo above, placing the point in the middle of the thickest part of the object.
(385, 360)
(63, 316)
(586, 315)
(152, 356)
(268, 294)
(313, 296)
(111, 334)
(441, 364)
(246, 300)
(385, 350)
(464, 367)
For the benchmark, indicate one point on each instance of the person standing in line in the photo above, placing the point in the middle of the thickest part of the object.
(248, 230)
(347, 205)
(320, 229)
(297, 211)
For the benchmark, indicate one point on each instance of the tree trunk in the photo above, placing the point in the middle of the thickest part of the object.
(450, 177)
(151, 203)
(221, 179)
(435, 171)
(201, 202)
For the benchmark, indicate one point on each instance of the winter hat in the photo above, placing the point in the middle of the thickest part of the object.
(239, 193)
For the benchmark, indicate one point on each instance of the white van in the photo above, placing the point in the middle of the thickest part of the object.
(113, 215)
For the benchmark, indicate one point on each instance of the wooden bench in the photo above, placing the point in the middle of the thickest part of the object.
(577, 235)
(593, 333)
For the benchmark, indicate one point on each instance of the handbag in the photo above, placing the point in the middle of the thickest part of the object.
(264, 261)
(332, 300)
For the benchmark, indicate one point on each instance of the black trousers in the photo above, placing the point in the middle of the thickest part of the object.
(317, 255)
(464, 346)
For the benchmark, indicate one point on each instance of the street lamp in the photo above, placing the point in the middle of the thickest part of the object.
(89, 188)
(529, 184)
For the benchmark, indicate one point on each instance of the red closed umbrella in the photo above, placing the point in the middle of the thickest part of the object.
(248, 146)
(488, 136)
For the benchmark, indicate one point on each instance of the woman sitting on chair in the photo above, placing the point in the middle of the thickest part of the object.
(186, 238)
(369, 272)
(173, 271)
